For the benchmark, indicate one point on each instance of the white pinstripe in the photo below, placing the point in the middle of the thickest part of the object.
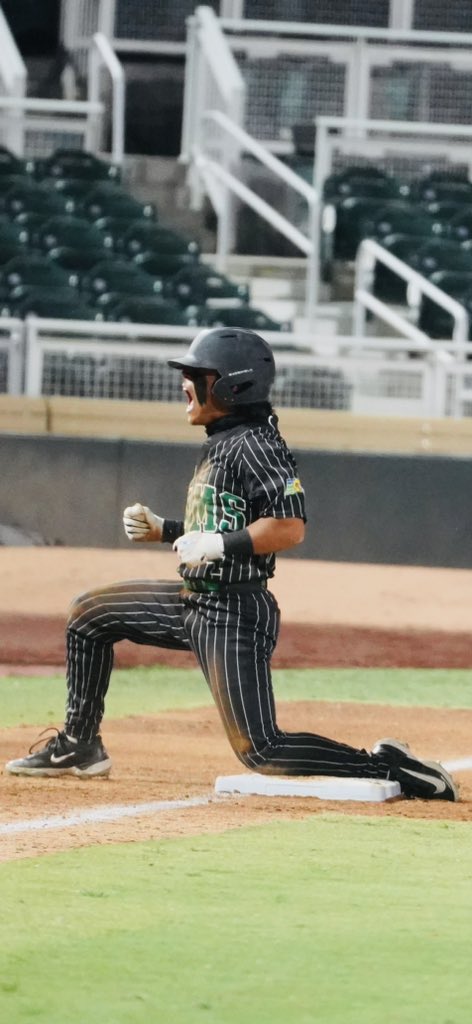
(232, 634)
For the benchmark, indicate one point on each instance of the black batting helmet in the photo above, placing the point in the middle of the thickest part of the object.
(242, 359)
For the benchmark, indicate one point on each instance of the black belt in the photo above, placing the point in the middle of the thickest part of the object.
(216, 587)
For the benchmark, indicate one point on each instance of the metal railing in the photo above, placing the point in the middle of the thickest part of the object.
(228, 174)
(368, 254)
(363, 375)
(102, 58)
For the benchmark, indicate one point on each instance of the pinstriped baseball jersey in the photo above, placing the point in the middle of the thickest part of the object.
(245, 473)
(231, 623)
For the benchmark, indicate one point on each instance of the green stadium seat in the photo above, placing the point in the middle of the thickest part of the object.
(144, 236)
(441, 191)
(114, 229)
(398, 218)
(200, 284)
(70, 231)
(144, 310)
(245, 317)
(74, 163)
(108, 200)
(9, 250)
(121, 277)
(61, 303)
(78, 260)
(33, 197)
(165, 265)
(30, 270)
(459, 227)
(342, 228)
(442, 212)
(12, 232)
(374, 186)
(433, 319)
(441, 254)
(387, 285)
(10, 164)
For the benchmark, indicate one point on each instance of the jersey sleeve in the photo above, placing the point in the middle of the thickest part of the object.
(271, 478)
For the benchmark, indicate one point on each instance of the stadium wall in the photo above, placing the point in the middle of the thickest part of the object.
(403, 509)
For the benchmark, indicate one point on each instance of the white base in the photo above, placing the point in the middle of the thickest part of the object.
(323, 788)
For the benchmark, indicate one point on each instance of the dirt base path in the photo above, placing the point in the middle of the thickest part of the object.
(332, 615)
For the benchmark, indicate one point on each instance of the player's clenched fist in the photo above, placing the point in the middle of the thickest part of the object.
(195, 547)
(141, 524)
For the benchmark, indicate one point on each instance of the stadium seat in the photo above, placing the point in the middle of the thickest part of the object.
(120, 277)
(9, 250)
(74, 189)
(237, 316)
(374, 186)
(148, 310)
(78, 260)
(433, 319)
(459, 227)
(61, 303)
(201, 284)
(29, 196)
(145, 236)
(28, 271)
(108, 200)
(9, 181)
(74, 163)
(12, 232)
(439, 254)
(74, 232)
(114, 229)
(442, 212)
(10, 164)
(342, 228)
(398, 218)
(440, 191)
(387, 285)
(165, 265)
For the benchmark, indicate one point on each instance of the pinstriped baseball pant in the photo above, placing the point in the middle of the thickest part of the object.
(233, 638)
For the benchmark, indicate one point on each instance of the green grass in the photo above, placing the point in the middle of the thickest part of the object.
(337, 920)
(150, 690)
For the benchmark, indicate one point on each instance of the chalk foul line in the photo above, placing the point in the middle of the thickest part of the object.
(112, 812)
(116, 812)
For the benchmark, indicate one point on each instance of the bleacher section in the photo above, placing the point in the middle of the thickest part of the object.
(75, 244)
(424, 222)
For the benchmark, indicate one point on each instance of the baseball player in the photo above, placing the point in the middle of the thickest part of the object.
(245, 503)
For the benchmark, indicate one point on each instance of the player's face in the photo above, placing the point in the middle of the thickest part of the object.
(201, 408)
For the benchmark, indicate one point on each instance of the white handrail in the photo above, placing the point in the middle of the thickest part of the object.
(264, 155)
(101, 54)
(297, 28)
(13, 67)
(368, 254)
(260, 206)
(308, 245)
(395, 126)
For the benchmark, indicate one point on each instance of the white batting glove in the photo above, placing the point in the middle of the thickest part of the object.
(195, 548)
(141, 524)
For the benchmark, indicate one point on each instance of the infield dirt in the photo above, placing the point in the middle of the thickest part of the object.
(333, 615)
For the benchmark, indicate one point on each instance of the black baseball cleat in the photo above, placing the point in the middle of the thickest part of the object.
(425, 780)
(63, 756)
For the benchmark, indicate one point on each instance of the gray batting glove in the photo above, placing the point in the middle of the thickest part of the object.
(140, 524)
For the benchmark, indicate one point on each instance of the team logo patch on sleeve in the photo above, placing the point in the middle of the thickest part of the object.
(293, 486)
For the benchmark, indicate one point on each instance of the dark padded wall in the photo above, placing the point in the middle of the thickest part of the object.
(404, 510)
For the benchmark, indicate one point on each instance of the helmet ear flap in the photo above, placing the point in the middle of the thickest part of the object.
(227, 389)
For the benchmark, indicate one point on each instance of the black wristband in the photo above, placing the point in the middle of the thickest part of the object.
(172, 529)
(238, 543)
